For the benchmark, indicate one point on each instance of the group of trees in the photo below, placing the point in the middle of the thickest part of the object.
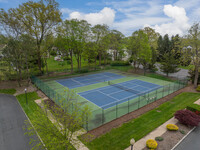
(34, 28)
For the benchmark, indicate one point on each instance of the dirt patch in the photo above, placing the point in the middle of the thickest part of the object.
(171, 138)
(21, 89)
(118, 122)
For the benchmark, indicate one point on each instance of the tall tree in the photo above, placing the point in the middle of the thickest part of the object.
(140, 49)
(152, 36)
(76, 33)
(194, 41)
(34, 18)
(116, 43)
(169, 64)
(20, 54)
(164, 46)
(176, 46)
(99, 32)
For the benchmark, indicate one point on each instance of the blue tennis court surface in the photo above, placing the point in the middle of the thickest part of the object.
(108, 96)
(88, 79)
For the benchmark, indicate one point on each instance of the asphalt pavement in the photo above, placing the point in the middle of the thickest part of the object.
(191, 142)
(11, 125)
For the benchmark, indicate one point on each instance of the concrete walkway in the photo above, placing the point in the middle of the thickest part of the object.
(75, 141)
(139, 145)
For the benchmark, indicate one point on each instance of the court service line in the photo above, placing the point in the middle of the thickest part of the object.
(76, 81)
(107, 95)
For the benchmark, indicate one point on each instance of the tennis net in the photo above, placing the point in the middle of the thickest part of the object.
(124, 88)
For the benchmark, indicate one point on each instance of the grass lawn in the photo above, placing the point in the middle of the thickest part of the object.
(157, 76)
(8, 91)
(54, 65)
(31, 109)
(186, 67)
(119, 138)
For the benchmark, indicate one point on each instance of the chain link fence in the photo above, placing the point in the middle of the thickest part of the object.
(108, 113)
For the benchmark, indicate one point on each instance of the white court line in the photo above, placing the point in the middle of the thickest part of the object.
(76, 81)
(107, 95)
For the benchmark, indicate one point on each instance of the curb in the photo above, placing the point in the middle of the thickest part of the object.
(32, 125)
(183, 138)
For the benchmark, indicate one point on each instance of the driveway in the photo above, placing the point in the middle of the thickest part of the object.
(191, 142)
(11, 125)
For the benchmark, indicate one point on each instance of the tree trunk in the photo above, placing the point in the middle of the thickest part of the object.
(71, 56)
(134, 65)
(80, 62)
(99, 59)
(39, 59)
(196, 76)
(144, 68)
(95, 63)
(46, 67)
(104, 59)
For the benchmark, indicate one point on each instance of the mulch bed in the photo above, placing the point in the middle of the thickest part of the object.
(119, 121)
(171, 138)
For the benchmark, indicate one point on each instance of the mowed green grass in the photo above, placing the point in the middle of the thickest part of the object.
(8, 91)
(119, 138)
(54, 65)
(31, 109)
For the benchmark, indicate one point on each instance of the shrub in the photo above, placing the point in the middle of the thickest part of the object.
(182, 132)
(194, 107)
(172, 127)
(159, 138)
(151, 144)
(187, 117)
(53, 53)
(198, 88)
(120, 63)
(85, 70)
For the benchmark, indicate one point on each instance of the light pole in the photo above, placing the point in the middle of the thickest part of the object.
(26, 96)
(132, 142)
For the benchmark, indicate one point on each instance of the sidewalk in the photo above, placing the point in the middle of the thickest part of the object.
(139, 145)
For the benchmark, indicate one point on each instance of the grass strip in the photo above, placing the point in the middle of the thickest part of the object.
(31, 110)
(119, 138)
(157, 76)
(8, 91)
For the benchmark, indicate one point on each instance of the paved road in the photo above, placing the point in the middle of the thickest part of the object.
(182, 73)
(11, 125)
(191, 142)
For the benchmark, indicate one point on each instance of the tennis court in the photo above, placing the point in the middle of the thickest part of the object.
(109, 95)
(114, 94)
(88, 79)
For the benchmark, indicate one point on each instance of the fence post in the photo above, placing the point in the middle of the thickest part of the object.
(102, 116)
(156, 94)
(128, 105)
(139, 102)
(163, 92)
(116, 110)
(87, 122)
(168, 89)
